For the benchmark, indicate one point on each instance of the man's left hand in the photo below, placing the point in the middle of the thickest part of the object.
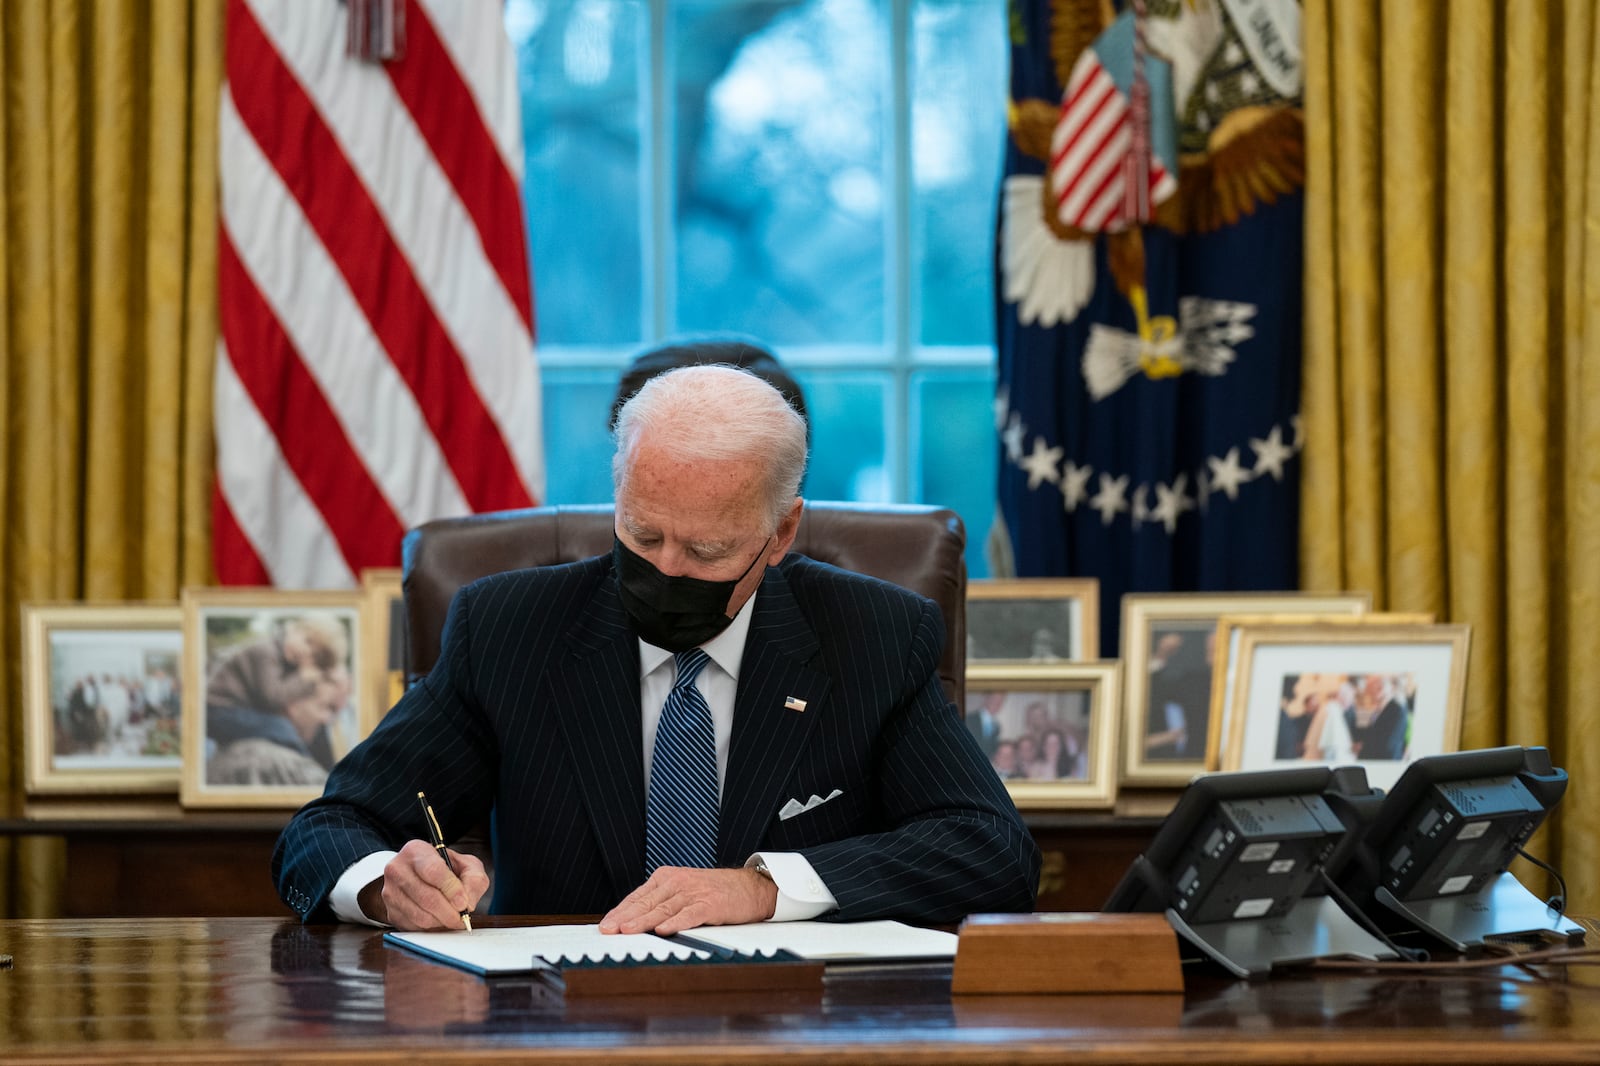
(678, 898)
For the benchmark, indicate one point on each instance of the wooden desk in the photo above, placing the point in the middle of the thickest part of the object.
(154, 859)
(238, 990)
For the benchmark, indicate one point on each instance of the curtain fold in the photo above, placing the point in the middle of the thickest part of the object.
(107, 200)
(1469, 570)
(1452, 333)
(1531, 219)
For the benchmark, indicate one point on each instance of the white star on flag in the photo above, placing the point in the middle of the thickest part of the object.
(1013, 438)
(1226, 473)
(1172, 502)
(1271, 454)
(1112, 498)
(1074, 484)
(1041, 464)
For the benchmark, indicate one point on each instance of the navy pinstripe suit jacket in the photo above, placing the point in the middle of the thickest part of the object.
(532, 712)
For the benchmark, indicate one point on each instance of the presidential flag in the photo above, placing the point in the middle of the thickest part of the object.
(375, 367)
(1148, 296)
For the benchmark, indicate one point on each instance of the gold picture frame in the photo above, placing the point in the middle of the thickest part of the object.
(1184, 623)
(1033, 619)
(1378, 696)
(383, 638)
(278, 681)
(1075, 701)
(101, 698)
(1226, 643)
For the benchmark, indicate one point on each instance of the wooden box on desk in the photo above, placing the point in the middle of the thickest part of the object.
(1066, 953)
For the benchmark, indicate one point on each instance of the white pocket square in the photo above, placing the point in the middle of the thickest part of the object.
(794, 807)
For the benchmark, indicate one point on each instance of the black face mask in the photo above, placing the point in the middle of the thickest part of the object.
(675, 613)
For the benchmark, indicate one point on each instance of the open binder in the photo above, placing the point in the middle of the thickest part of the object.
(583, 962)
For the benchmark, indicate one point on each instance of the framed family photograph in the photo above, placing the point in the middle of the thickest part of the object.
(278, 681)
(1380, 696)
(1041, 619)
(101, 697)
(1048, 729)
(383, 640)
(1168, 653)
(1224, 675)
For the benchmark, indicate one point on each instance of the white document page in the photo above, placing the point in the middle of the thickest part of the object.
(832, 941)
(519, 949)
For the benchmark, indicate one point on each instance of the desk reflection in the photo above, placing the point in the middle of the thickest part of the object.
(1461, 1000)
(1080, 1014)
(348, 975)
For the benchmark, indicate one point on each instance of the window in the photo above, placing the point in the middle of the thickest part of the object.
(819, 174)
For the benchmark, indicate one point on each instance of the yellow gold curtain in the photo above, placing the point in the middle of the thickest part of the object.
(108, 217)
(1452, 360)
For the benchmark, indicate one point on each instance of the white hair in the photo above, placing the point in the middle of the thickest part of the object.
(716, 413)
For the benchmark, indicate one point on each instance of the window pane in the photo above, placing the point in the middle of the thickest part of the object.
(778, 130)
(952, 415)
(581, 72)
(958, 92)
(577, 433)
(780, 175)
(848, 455)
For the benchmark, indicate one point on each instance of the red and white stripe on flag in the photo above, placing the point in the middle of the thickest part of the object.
(375, 368)
(1089, 153)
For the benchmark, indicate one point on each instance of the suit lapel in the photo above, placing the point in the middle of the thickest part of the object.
(596, 695)
(767, 735)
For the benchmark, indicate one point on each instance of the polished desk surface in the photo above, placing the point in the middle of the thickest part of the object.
(240, 990)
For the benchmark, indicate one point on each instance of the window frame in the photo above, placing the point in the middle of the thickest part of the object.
(900, 357)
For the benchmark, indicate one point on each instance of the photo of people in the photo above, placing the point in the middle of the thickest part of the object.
(1039, 620)
(1180, 670)
(1032, 736)
(1036, 630)
(114, 699)
(1179, 707)
(1334, 718)
(278, 696)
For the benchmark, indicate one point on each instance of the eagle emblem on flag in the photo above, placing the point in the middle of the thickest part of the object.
(1223, 135)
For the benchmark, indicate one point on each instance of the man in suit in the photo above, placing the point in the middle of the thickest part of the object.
(845, 783)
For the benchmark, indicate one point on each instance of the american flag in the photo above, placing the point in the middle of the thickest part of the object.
(375, 367)
(1096, 139)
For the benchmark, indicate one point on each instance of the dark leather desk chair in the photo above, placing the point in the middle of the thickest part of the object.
(919, 548)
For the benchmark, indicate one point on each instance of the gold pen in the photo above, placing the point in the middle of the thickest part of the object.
(438, 842)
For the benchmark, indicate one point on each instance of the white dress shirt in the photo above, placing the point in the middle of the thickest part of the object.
(801, 893)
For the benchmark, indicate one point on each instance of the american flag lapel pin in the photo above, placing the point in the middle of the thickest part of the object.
(794, 703)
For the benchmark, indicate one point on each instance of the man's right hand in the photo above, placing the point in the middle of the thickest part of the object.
(418, 891)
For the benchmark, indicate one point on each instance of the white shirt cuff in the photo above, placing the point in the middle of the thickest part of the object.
(346, 890)
(801, 893)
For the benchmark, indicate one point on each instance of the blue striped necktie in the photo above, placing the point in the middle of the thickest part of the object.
(681, 810)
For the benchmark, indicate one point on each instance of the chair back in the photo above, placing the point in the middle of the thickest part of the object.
(917, 547)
